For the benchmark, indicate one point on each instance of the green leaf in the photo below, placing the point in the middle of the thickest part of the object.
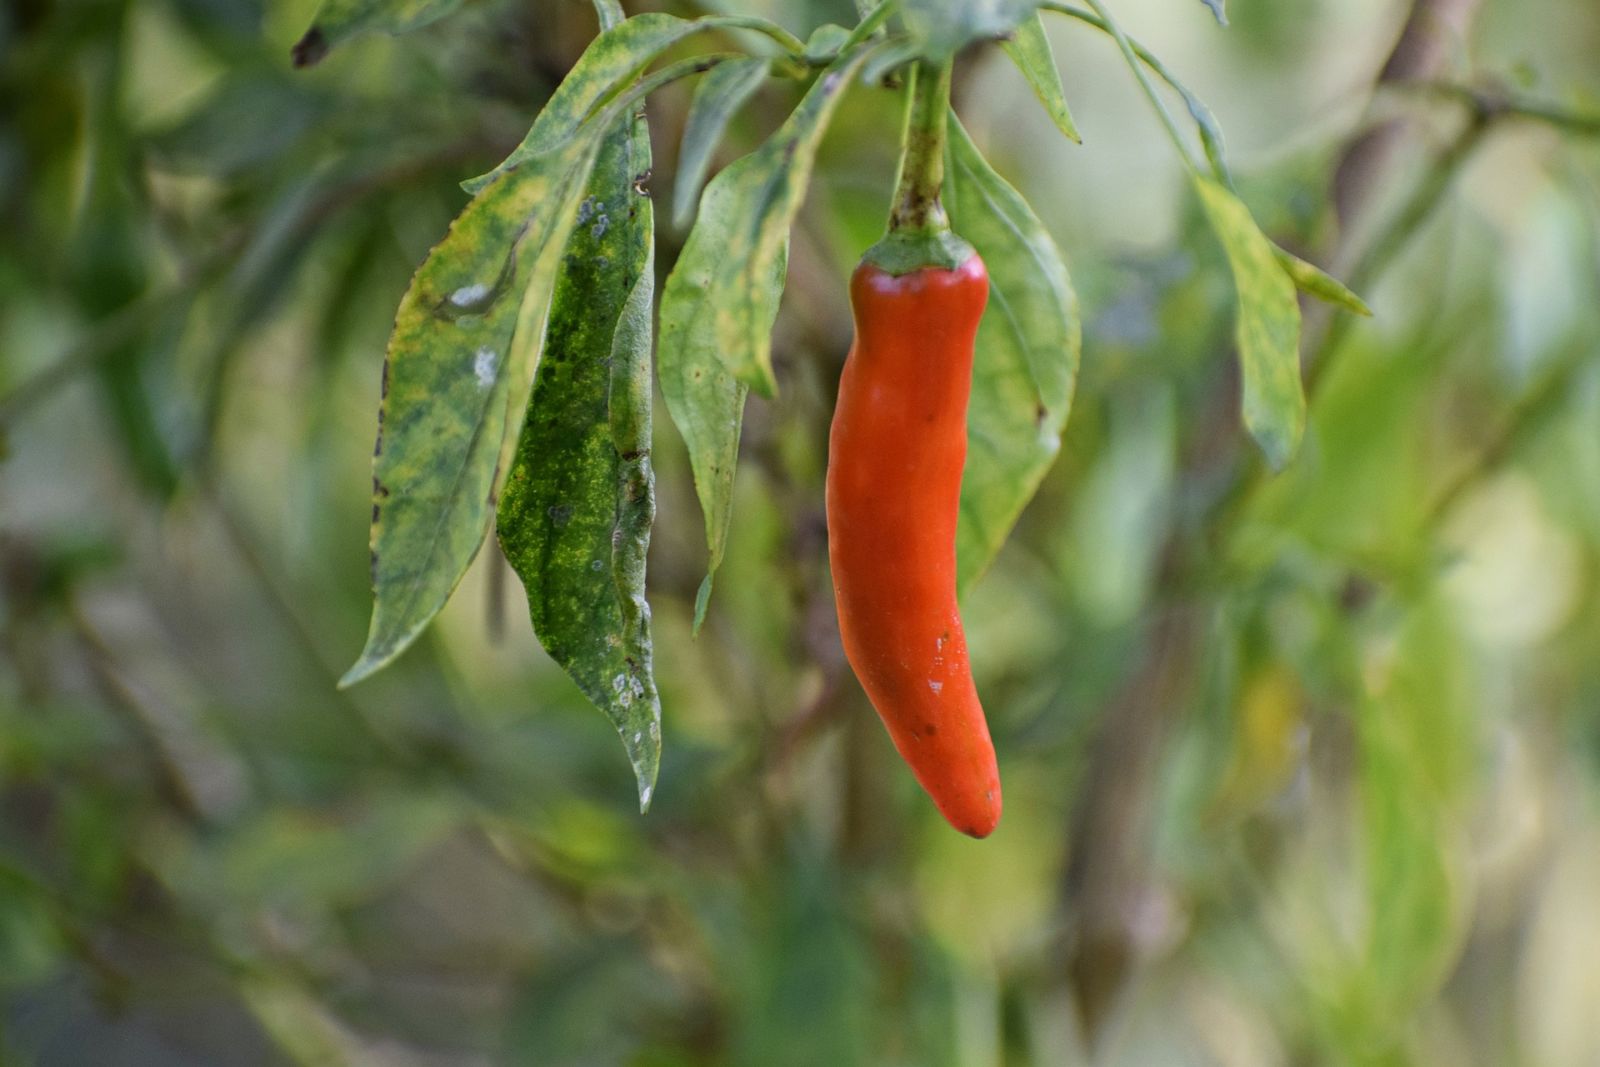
(1268, 331)
(1030, 50)
(611, 61)
(451, 375)
(337, 21)
(1026, 363)
(716, 98)
(576, 513)
(762, 192)
(704, 398)
(944, 27)
(1312, 279)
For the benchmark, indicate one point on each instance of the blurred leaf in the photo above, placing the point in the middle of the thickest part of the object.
(1219, 10)
(1029, 49)
(719, 94)
(762, 192)
(576, 513)
(1310, 278)
(1027, 355)
(447, 381)
(251, 117)
(337, 21)
(1268, 330)
(1416, 742)
(300, 858)
(944, 27)
(1122, 511)
(1210, 132)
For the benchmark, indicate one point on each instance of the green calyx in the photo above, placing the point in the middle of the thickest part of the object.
(903, 251)
(919, 233)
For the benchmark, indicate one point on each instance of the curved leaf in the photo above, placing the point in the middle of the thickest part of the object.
(450, 373)
(1268, 330)
(716, 98)
(1026, 363)
(612, 60)
(1312, 279)
(762, 192)
(575, 517)
(705, 400)
(337, 21)
(1029, 48)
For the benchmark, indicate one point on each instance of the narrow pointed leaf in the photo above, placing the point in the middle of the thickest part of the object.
(575, 516)
(1312, 279)
(448, 378)
(1268, 330)
(1029, 48)
(704, 398)
(1219, 10)
(337, 21)
(1026, 363)
(718, 96)
(762, 192)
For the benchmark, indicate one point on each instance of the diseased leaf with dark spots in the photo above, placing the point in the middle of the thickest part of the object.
(575, 516)
(451, 372)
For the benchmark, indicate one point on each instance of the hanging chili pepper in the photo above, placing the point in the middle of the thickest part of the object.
(896, 452)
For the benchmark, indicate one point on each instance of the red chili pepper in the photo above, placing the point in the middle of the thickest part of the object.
(896, 451)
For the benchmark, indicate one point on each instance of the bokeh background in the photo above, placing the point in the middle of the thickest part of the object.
(1299, 770)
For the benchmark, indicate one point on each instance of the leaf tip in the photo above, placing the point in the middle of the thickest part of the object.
(702, 600)
(646, 759)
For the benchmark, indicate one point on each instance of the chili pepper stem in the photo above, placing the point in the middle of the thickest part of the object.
(919, 231)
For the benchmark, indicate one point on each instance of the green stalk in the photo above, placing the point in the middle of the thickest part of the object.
(919, 230)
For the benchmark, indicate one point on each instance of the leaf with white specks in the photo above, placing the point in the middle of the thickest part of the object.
(575, 517)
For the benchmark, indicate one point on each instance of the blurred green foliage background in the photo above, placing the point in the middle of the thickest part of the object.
(1299, 770)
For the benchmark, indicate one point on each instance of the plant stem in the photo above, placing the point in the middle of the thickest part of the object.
(916, 201)
(1128, 53)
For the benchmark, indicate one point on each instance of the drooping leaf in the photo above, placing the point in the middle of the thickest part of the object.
(1026, 363)
(1312, 279)
(943, 27)
(448, 378)
(337, 21)
(575, 517)
(611, 61)
(1219, 10)
(762, 192)
(1029, 48)
(705, 400)
(1268, 330)
(718, 96)
(1416, 739)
